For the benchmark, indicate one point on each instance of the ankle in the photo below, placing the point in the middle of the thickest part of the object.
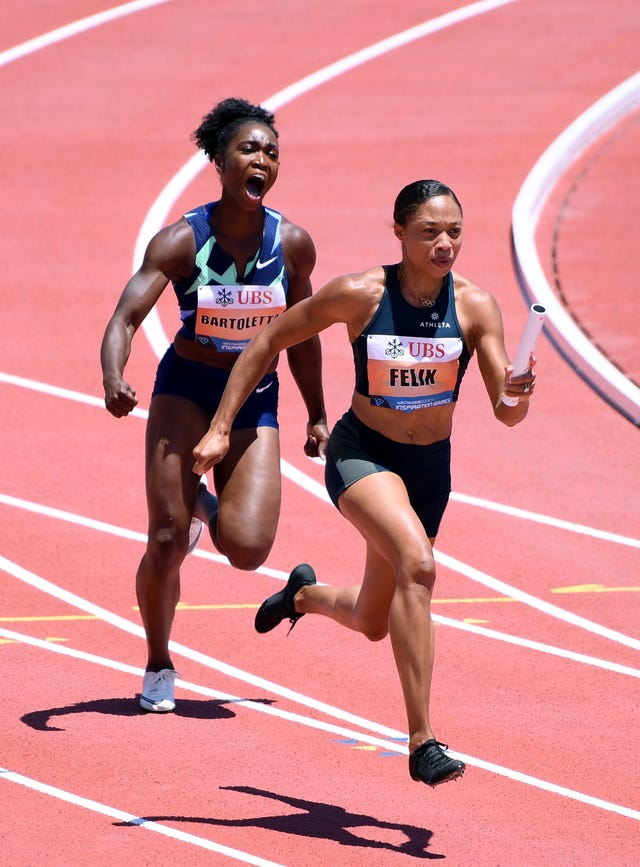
(418, 738)
(298, 600)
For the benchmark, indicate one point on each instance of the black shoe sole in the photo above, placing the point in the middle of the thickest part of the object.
(454, 775)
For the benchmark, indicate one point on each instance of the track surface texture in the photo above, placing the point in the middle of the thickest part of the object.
(292, 750)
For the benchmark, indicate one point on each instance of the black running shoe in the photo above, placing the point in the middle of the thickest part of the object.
(279, 606)
(431, 765)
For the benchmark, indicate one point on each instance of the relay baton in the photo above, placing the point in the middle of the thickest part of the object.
(527, 344)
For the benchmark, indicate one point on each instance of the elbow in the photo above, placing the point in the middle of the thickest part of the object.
(511, 416)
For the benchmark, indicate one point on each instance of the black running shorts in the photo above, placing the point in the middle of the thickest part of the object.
(356, 451)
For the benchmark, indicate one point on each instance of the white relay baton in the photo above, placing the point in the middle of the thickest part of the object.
(527, 344)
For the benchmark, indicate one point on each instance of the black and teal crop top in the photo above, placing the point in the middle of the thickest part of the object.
(221, 309)
(409, 358)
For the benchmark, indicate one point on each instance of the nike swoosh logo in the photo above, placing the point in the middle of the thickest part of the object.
(264, 387)
(268, 262)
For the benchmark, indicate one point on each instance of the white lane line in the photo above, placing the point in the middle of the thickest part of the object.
(122, 532)
(518, 641)
(449, 562)
(101, 526)
(393, 745)
(533, 601)
(537, 518)
(73, 29)
(318, 490)
(130, 818)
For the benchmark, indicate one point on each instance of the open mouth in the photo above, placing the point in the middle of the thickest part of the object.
(255, 186)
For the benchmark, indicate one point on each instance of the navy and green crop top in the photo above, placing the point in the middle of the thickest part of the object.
(409, 358)
(221, 309)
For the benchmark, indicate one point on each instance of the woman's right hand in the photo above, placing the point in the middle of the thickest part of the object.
(119, 397)
(210, 450)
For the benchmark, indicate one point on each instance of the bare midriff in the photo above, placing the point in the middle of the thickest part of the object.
(421, 427)
(193, 351)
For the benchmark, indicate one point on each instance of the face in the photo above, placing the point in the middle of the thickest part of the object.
(249, 166)
(432, 236)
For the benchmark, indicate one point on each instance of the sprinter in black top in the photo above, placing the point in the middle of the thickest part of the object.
(413, 328)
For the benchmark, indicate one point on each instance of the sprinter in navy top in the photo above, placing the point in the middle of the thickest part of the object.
(235, 266)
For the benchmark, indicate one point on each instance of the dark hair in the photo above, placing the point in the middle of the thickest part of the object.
(219, 126)
(415, 194)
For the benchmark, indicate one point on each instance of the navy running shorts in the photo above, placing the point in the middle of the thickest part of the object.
(203, 385)
(356, 451)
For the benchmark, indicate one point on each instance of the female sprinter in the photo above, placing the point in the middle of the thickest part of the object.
(413, 328)
(235, 265)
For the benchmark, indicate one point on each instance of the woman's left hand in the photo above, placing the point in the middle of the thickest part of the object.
(520, 387)
(317, 440)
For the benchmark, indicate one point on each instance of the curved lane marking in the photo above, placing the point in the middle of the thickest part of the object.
(570, 341)
(69, 30)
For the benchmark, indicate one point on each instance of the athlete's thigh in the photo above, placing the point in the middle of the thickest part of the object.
(378, 507)
(248, 478)
(174, 426)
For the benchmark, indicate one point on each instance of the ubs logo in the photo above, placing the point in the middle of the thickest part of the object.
(394, 349)
(224, 298)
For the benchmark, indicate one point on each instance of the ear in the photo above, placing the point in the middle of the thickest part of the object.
(219, 163)
(397, 231)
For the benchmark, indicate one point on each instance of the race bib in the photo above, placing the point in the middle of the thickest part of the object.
(409, 373)
(229, 316)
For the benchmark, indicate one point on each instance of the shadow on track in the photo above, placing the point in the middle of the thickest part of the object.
(322, 821)
(211, 710)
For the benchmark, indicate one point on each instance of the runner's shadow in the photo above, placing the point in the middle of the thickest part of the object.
(323, 821)
(210, 709)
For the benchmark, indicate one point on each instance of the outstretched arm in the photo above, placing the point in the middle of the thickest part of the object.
(297, 324)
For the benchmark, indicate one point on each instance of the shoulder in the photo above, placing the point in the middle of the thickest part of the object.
(356, 296)
(171, 237)
(478, 310)
(471, 298)
(367, 283)
(172, 250)
(298, 249)
(291, 233)
(296, 241)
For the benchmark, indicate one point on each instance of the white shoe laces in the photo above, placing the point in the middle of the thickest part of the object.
(159, 684)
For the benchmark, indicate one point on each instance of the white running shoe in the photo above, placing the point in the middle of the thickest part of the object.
(197, 527)
(157, 690)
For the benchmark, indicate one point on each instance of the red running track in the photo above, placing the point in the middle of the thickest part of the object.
(291, 750)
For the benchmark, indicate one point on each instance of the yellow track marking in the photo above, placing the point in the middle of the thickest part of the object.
(594, 588)
(44, 618)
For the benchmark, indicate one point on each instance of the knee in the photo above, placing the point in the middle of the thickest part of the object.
(246, 557)
(373, 629)
(167, 547)
(419, 576)
(375, 633)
